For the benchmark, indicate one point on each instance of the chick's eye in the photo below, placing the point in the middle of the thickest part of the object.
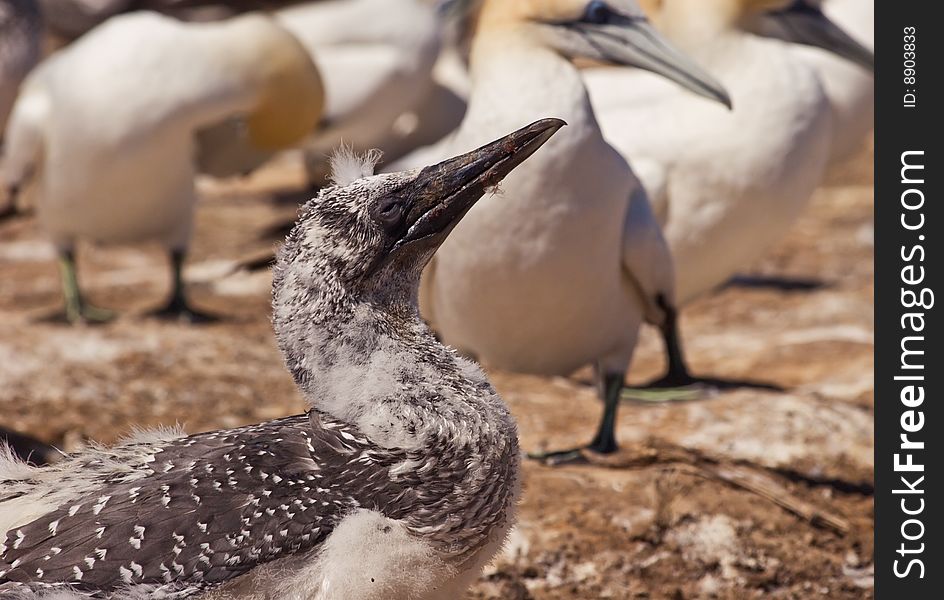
(597, 13)
(390, 213)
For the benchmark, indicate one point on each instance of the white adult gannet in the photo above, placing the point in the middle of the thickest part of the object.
(560, 269)
(726, 184)
(70, 19)
(376, 58)
(849, 88)
(104, 130)
(20, 45)
(400, 483)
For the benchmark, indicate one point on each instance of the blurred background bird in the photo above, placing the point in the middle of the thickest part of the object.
(20, 47)
(69, 19)
(727, 184)
(102, 136)
(377, 59)
(561, 268)
(849, 88)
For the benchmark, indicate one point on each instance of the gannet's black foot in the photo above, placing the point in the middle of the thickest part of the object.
(180, 311)
(674, 386)
(604, 442)
(668, 389)
(581, 455)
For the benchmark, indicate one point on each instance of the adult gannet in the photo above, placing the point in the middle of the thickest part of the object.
(105, 128)
(726, 184)
(376, 58)
(400, 483)
(20, 45)
(560, 269)
(849, 88)
(70, 19)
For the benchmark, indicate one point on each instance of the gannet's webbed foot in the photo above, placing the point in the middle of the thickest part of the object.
(578, 456)
(179, 308)
(89, 314)
(604, 442)
(678, 383)
(77, 310)
(660, 391)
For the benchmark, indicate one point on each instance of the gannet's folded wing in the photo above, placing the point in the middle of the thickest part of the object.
(24, 142)
(647, 260)
(210, 507)
(654, 178)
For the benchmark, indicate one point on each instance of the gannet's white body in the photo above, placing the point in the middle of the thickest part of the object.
(376, 58)
(850, 89)
(20, 46)
(725, 184)
(534, 278)
(104, 130)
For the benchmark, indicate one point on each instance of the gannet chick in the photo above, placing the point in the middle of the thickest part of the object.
(105, 129)
(376, 58)
(849, 88)
(70, 19)
(560, 269)
(20, 45)
(726, 184)
(400, 482)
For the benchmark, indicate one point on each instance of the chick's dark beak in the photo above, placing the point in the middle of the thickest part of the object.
(443, 193)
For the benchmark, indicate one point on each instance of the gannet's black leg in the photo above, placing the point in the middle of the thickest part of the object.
(77, 309)
(677, 373)
(610, 386)
(678, 383)
(179, 308)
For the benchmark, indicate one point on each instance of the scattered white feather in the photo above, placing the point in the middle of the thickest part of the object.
(347, 166)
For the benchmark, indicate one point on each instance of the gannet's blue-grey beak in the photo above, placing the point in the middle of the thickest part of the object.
(804, 23)
(442, 194)
(606, 34)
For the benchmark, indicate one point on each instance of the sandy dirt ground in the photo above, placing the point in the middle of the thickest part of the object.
(748, 494)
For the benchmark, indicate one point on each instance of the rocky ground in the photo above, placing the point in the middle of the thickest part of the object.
(752, 493)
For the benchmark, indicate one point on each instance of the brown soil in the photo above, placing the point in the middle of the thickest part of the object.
(681, 524)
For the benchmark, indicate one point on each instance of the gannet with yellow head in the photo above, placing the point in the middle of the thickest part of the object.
(727, 184)
(103, 135)
(560, 269)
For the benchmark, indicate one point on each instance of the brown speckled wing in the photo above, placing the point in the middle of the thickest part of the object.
(211, 507)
